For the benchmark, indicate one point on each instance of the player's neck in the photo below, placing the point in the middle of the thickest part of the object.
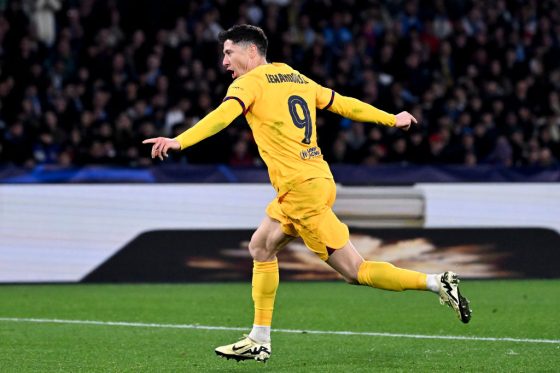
(257, 62)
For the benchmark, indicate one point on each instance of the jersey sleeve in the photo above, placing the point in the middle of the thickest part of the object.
(349, 107)
(214, 122)
(244, 90)
(325, 97)
(360, 111)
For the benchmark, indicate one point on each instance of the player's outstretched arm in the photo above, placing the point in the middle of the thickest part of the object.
(360, 111)
(211, 124)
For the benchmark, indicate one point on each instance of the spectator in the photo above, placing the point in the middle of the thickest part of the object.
(43, 17)
(17, 148)
(241, 156)
(483, 77)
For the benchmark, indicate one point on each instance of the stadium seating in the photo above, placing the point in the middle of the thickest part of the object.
(483, 79)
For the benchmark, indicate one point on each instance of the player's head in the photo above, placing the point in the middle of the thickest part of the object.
(244, 48)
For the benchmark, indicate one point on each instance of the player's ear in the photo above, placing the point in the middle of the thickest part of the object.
(253, 50)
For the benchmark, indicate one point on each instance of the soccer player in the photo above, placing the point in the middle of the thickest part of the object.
(280, 106)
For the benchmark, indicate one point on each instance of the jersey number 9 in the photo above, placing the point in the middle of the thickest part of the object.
(305, 122)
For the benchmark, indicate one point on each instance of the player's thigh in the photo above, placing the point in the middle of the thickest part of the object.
(323, 233)
(268, 239)
(275, 212)
(309, 208)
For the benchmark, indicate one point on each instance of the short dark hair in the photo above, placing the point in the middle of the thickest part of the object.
(247, 34)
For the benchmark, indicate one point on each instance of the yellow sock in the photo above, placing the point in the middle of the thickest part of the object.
(265, 283)
(386, 276)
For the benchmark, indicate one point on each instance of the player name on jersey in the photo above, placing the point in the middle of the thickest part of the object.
(286, 78)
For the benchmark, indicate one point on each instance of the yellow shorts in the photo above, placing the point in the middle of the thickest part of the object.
(306, 211)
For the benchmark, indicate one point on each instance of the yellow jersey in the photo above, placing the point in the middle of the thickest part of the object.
(280, 105)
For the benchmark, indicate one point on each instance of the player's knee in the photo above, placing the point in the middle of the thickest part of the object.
(254, 248)
(260, 252)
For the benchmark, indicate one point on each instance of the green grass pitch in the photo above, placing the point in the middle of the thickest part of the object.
(523, 310)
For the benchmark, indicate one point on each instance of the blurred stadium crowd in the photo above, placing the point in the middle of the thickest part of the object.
(83, 81)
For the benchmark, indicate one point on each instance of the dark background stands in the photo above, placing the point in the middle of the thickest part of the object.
(86, 84)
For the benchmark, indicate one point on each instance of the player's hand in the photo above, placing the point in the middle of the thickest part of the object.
(162, 145)
(405, 120)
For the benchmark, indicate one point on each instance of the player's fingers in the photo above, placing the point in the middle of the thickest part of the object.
(155, 149)
(413, 119)
(164, 150)
(149, 141)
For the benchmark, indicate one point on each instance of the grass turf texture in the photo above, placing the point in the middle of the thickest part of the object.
(515, 309)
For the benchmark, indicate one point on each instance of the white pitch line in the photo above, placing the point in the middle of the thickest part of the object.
(330, 332)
